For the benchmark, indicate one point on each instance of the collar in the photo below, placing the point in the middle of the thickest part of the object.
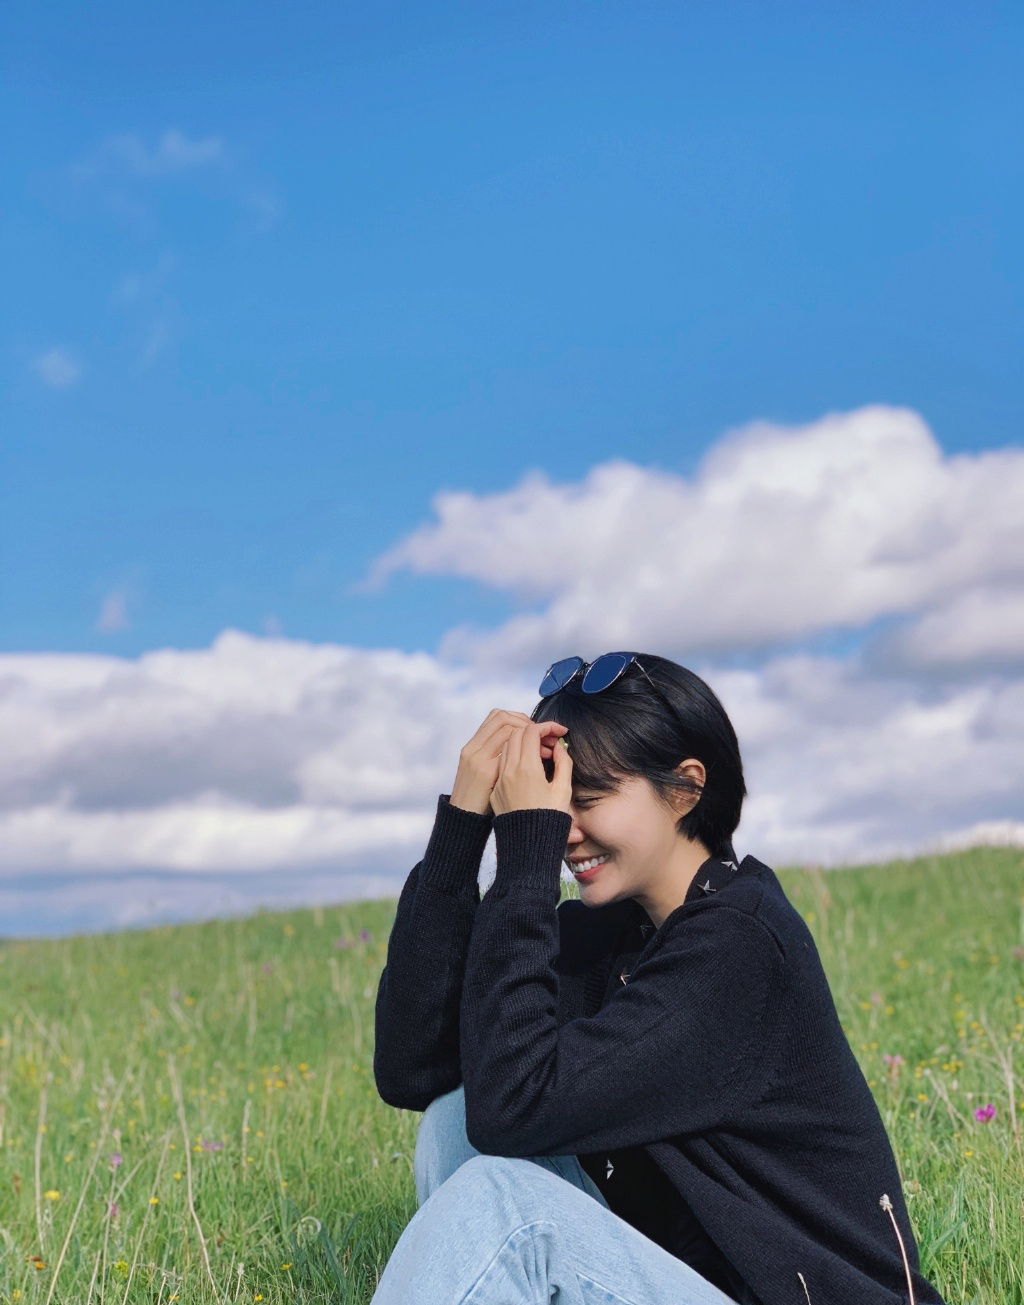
(714, 874)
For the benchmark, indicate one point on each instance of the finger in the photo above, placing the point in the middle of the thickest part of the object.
(495, 726)
(496, 719)
(514, 747)
(532, 740)
(502, 736)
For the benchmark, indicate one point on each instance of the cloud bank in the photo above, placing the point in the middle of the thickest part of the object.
(854, 595)
(783, 534)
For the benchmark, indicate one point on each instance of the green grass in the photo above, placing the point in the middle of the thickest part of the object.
(235, 1057)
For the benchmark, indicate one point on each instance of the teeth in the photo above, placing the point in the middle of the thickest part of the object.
(581, 866)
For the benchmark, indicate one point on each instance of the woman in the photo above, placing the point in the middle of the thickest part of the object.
(643, 1095)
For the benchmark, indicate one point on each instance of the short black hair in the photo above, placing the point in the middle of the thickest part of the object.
(629, 730)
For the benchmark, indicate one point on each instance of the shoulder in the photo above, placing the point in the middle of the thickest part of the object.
(743, 906)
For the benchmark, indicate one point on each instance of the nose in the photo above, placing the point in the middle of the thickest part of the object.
(575, 835)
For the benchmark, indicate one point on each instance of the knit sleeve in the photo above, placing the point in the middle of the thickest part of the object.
(670, 1053)
(416, 1050)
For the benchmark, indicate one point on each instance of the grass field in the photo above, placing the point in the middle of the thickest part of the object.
(189, 1113)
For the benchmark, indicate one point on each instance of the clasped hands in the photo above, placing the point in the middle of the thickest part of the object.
(501, 768)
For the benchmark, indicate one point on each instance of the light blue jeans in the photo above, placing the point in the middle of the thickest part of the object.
(493, 1230)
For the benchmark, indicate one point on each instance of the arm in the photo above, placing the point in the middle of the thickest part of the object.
(669, 1053)
(416, 1056)
(416, 1052)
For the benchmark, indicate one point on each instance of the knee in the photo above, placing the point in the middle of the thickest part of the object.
(503, 1183)
(443, 1122)
(441, 1143)
(501, 1193)
(452, 1103)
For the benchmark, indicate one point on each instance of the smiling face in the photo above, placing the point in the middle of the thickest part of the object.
(632, 835)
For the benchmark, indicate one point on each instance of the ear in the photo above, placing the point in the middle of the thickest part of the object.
(694, 771)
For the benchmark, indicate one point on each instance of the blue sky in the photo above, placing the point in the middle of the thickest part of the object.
(358, 361)
(434, 246)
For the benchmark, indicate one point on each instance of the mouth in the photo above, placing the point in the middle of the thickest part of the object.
(585, 870)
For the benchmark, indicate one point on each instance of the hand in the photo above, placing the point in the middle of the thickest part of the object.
(478, 760)
(522, 783)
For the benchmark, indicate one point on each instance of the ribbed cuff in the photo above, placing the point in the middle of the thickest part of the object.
(451, 862)
(530, 846)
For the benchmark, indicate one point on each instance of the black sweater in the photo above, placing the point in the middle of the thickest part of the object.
(718, 1069)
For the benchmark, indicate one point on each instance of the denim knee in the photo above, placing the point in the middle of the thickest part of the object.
(445, 1112)
(503, 1186)
(441, 1143)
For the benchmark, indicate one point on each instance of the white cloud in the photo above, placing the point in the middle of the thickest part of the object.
(321, 764)
(846, 765)
(267, 766)
(988, 833)
(252, 754)
(783, 533)
(138, 286)
(157, 338)
(264, 209)
(209, 832)
(173, 152)
(980, 627)
(113, 614)
(58, 368)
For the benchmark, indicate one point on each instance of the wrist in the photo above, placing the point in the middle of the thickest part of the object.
(451, 862)
(530, 844)
(466, 800)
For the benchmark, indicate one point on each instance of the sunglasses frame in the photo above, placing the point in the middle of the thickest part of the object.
(631, 659)
(584, 668)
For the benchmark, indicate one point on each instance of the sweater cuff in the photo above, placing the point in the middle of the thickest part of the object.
(530, 847)
(451, 862)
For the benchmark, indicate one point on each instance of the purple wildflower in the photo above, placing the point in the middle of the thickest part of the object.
(176, 994)
(209, 1144)
(112, 1210)
(365, 935)
(984, 1113)
(116, 1160)
(268, 967)
(342, 943)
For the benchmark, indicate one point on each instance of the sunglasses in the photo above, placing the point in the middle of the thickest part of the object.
(597, 675)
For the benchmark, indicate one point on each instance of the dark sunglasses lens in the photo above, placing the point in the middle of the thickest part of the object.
(606, 670)
(559, 675)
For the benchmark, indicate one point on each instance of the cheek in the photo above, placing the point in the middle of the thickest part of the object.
(630, 836)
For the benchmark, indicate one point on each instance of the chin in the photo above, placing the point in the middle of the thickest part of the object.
(591, 898)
